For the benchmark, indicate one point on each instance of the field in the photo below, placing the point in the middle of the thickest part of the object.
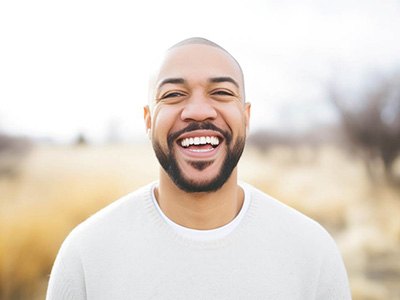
(59, 186)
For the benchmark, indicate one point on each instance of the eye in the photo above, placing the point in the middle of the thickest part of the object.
(172, 95)
(222, 93)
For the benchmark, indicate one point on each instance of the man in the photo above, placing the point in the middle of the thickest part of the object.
(197, 233)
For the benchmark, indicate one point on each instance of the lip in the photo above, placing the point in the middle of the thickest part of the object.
(199, 133)
(200, 155)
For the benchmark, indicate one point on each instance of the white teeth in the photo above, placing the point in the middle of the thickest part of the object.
(201, 150)
(214, 140)
(203, 140)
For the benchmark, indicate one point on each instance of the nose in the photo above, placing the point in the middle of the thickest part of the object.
(198, 108)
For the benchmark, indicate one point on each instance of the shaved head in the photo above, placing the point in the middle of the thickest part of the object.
(203, 41)
(197, 40)
(194, 41)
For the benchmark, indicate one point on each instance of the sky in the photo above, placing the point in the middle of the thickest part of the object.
(82, 66)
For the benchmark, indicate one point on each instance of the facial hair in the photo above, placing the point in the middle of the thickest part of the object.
(168, 160)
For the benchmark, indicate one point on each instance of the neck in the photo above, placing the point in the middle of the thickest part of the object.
(200, 211)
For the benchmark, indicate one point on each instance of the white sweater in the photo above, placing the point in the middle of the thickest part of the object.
(128, 251)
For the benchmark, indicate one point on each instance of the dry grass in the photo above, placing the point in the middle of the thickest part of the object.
(334, 189)
(61, 186)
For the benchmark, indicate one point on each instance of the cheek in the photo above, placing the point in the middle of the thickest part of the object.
(163, 121)
(235, 118)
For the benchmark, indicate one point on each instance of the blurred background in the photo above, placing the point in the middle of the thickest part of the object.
(323, 78)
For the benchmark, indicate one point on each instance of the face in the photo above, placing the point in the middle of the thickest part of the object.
(199, 119)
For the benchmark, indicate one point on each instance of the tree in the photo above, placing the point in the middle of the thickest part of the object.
(12, 150)
(371, 120)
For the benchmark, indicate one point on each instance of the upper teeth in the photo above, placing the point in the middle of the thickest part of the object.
(213, 140)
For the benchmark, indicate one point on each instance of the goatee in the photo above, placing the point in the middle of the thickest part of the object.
(168, 160)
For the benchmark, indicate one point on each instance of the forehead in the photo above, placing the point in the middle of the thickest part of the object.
(197, 62)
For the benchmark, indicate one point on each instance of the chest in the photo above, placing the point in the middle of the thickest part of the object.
(173, 271)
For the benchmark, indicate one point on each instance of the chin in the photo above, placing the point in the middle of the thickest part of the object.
(186, 174)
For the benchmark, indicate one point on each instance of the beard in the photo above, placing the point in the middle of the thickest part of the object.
(169, 163)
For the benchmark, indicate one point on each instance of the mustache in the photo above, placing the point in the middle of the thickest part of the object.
(199, 126)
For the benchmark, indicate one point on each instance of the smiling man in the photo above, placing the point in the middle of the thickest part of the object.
(197, 233)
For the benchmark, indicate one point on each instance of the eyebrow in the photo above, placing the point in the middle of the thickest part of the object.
(171, 81)
(212, 80)
(224, 79)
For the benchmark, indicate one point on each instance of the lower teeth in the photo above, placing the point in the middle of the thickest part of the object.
(201, 150)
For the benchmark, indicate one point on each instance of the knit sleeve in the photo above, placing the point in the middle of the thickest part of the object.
(67, 278)
(333, 282)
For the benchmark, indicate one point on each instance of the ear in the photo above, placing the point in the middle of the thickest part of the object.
(147, 118)
(247, 108)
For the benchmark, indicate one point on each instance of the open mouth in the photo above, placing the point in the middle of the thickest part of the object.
(200, 143)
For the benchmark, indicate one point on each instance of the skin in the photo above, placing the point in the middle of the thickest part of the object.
(198, 97)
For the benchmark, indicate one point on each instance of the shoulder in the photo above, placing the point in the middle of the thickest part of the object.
(279, 219)
(117, 217)
(302, 240)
